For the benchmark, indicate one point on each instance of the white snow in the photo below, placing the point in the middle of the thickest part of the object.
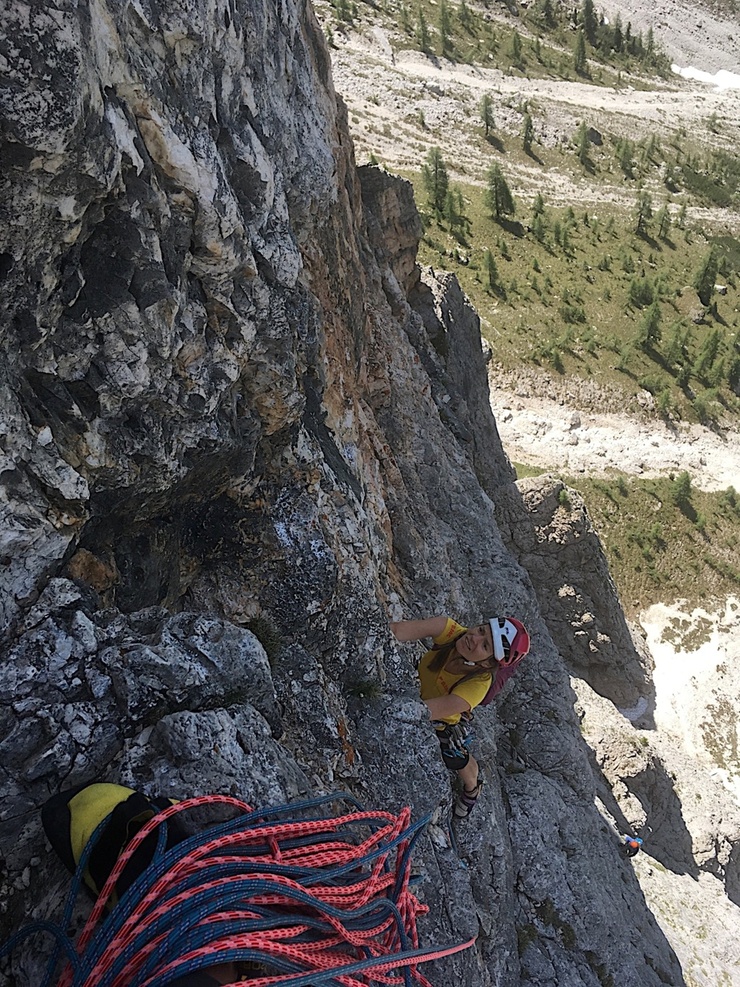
(721, 80)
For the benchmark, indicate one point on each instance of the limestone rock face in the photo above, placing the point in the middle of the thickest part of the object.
(558, 546)
(228, 402)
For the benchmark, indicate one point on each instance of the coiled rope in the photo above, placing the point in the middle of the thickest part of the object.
(307, 900)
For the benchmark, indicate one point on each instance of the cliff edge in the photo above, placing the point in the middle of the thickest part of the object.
(240, 429)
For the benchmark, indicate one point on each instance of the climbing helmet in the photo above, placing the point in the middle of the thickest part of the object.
(510, 640)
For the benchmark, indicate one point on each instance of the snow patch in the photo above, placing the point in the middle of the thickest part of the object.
(721, 80)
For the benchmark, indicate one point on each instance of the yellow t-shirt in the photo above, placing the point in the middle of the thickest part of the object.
(441, 683)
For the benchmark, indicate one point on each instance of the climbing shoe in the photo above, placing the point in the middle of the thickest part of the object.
(466, 800)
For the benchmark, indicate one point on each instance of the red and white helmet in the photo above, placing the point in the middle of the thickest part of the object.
(510, 640)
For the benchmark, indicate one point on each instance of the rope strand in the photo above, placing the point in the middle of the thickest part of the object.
(314, 900)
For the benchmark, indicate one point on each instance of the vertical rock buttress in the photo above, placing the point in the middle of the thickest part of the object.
(238, 432)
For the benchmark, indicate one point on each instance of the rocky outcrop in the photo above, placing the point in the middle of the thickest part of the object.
(676, 803)
(556, 542)
(230, 403)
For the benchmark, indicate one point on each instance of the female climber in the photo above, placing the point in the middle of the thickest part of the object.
(464, 667)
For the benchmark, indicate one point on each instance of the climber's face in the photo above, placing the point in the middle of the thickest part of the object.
(476, 644)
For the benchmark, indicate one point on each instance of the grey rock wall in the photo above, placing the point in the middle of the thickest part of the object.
(229, 400)
(550, 530)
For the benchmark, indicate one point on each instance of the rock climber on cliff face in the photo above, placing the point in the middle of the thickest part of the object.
(466, 666)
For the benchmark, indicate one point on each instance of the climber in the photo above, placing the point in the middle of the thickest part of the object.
(71, 817)
(631, 845)
(465, 668)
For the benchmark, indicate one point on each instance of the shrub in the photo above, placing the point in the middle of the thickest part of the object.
(641, 293)
(572, 314)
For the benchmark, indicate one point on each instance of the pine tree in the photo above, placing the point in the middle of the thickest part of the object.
(403, 17)
(547, 13)
(617, 35)
(681, 490)
(491, 270)
(464, 15)
(516, 48)
(589, 20)
(452, 214)
(663, 219)
(708, 353)
(538, 206)
(582, 143)
(643, 212)
(444, 27)
(422, 31)
(579, 53)
(436, 182)
(650, 46)
(498, 195)
(486, 113)
(649, 332)
(625, 156)
(706, 277)
(527, 133)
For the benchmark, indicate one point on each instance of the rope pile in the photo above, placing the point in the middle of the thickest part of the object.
(309, 900)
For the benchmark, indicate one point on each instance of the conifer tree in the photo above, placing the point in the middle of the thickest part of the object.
(649, 332)
(436, 181)
(708, 353)
(589, 20)
(486, 113)
(516, 48)
(547, 13)
(681, 490)
(617, 35)
(444, 27)
(498, 195)
(643, 212)
(422, 31)
(582, 143)
(650, 46)
(663, 219)
(579, 53)
(452, 214)
(491, 270)
(527, 133)
(403, 16)
(706, 277)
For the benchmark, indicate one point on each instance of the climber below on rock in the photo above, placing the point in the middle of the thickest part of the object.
(464, 668)
(631, 845)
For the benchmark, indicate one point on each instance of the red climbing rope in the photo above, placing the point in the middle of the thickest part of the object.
(303, 901)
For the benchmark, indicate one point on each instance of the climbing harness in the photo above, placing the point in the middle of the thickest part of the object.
(303, 898)
(455, 740)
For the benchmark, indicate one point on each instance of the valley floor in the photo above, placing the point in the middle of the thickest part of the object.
(547, 433)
